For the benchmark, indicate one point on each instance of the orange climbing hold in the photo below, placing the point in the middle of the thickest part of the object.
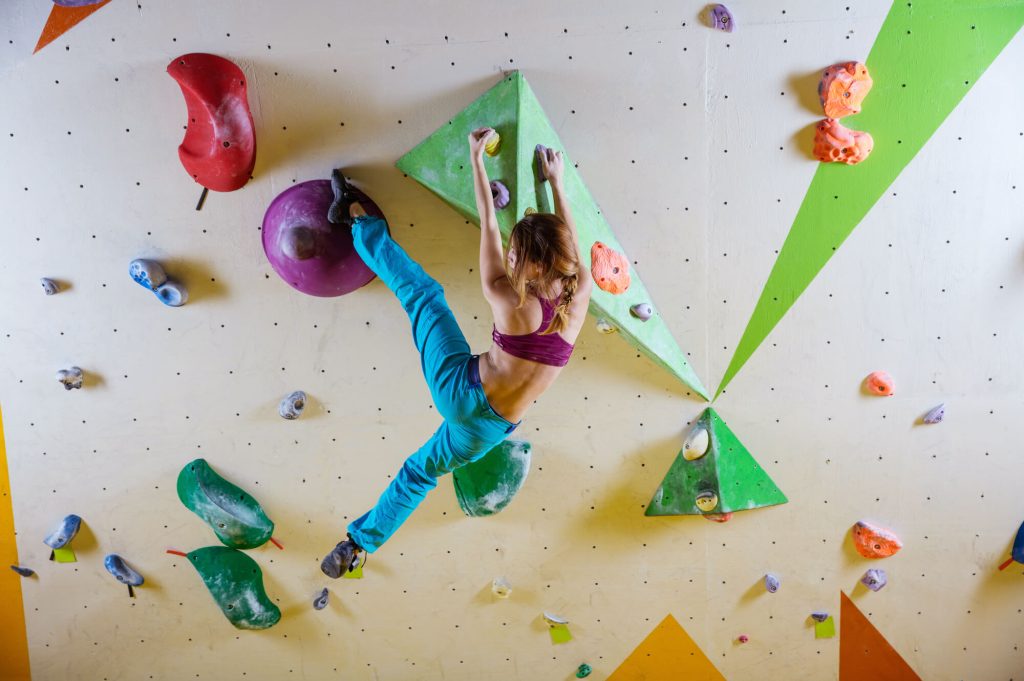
(667, 654)
(872, 541)
(835, 143)
(843, 88)
(880, 383)
(62, 19)
(863, 651)
(609, 268)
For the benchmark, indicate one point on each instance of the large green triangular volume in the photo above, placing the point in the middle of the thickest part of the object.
(441, 163)
(927, 56)
(727, 470)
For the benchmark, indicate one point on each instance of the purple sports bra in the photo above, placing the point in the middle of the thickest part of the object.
(550, 349)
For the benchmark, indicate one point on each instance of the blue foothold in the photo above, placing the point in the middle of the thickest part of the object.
(64, 532)
(172, 294)
(147, 273)
(122, 572)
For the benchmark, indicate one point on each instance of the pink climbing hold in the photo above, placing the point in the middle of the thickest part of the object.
(872, 541)
(835, 143)
(880, 383)
(742, 638)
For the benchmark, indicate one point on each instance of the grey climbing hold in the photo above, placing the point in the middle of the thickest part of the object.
(172, 294)
(292, 405)
(874, 579)
(771, 583)
(71, 378)
(23, 571)
(819, 615)
(320, 602)
(64, 532)
(935, 414)
(642, 311)
(122, 571)
(49, 286)
(147, 273)
(696, 444)
(605, 326)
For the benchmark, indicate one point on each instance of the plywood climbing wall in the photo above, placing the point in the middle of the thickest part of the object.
(695, 145)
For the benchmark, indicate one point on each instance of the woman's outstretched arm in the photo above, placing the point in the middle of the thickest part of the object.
(492, 257)
(554, 168)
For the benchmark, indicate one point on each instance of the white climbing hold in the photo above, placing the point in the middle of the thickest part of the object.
(71, 378)
(501, 587)
(292, 405)
(696, 445)
(605, 326)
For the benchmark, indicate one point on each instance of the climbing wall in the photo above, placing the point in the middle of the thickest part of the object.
(695, 144)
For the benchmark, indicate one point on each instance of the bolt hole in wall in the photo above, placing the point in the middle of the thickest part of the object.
(890, 393)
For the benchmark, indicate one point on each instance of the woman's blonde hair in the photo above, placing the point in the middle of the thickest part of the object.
(543, 239)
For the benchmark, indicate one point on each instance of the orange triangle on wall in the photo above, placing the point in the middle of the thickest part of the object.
(63, 19)
(864, 654)
(667, 654)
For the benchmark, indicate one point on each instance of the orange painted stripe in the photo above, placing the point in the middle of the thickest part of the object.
(63, 19)
(13, 642)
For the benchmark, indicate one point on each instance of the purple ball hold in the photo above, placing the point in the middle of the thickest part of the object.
(721, 18)
(307, 251)
(499, 192)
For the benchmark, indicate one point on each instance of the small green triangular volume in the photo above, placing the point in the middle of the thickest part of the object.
(234, 516)
(727, 470)
(236, 583)
(488, 485)
(926, 58)
(441, 164)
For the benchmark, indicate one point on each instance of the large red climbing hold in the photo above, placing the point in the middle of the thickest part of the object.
(219, 149)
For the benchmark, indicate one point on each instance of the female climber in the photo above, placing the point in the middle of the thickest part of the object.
(539, 294)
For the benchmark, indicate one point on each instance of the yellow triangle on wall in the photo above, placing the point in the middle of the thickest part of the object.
(667, 654)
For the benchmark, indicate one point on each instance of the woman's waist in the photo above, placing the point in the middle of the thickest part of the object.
(512, 384)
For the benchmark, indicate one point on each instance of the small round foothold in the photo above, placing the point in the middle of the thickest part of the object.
(880, 383)
(292, 406)
(320, 602)
(172, 294)
(696, 445)
(583, 671)
(298, 243)
(874, 579)
(71, 378)
(530, 210)
(742, 638)
(771, 583)
(50, 287)
(819, 615)
(605, 326)
(147, 273)
(706, 501)
(501, 587)
(500, 194)
(493, 145)
(935, 415)
(642, 311)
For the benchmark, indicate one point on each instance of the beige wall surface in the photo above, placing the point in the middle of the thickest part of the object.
(693, 144)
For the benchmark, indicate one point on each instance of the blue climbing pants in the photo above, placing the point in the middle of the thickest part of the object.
(471, 427)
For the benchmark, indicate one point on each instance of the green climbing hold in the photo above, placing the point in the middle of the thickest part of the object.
(237, 519)
(724, 480)
(236, 582)
(487, 485)
(441, 164)
(583, 671)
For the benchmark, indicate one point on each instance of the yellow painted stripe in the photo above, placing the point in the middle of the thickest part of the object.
(13, 642)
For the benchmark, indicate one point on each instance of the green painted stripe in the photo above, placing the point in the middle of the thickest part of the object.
(927, 56)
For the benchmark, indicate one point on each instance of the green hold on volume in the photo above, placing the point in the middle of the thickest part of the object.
(236, 582)
(236, 518)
